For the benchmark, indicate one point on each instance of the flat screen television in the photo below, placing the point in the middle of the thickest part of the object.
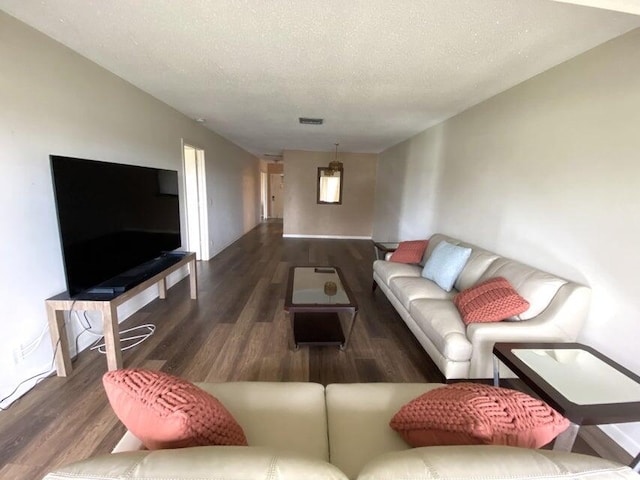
(113, 219)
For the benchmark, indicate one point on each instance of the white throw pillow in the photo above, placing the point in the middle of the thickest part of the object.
(445, 264)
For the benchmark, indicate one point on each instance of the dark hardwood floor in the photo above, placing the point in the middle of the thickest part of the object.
(236, 330)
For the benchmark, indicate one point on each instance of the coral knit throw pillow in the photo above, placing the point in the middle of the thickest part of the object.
(489, 301)
(470, 414)
(164, 411)
(410, 251)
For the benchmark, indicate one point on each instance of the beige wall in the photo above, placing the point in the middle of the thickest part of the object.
(547, 173)
(54, 101)
(302, 214)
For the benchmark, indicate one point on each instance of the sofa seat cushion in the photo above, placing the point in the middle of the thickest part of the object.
(389, 270)
(408, 289)
(481, 462)
(441, 322)
(200, 463)
(358, 416)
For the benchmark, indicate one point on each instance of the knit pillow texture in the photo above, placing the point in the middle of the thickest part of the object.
(409, 251)
(475, 414)
(490, 301)
(164, 411)
(445, 264)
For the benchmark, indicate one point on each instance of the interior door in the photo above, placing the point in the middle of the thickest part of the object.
(195, 196)
(276, 190)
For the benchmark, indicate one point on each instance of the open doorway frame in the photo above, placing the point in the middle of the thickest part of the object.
(195, 184)
(264, 195)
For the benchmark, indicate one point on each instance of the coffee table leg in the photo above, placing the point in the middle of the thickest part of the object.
(564, 442)
(294, 344)
(346, 340)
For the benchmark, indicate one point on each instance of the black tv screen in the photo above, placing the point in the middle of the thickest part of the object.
(112, 217)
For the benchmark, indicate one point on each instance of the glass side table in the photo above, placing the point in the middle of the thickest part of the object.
(579, 382)
(382, 248)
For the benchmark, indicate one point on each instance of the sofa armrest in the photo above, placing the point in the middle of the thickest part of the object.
(561, 321)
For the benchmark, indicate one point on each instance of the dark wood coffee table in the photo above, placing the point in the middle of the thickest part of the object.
(579, 382)
(318, 300)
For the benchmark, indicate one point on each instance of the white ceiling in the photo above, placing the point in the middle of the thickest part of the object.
(377, 71)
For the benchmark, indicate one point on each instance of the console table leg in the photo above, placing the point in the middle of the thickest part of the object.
(111, 336)
(564, 442)
(162, 288)
(193, 279)
(59, 341)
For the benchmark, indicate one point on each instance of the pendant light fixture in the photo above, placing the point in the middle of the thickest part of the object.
(335, 165)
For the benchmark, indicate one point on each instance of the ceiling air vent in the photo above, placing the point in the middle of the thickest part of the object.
(311, 121)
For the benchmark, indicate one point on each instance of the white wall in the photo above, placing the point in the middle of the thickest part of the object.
(547, 173)
(54, 101)
(406, 184)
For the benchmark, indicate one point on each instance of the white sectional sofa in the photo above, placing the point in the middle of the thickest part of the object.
(557, 311)
(306, 431)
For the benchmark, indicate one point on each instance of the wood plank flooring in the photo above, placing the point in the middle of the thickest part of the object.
(236, 330)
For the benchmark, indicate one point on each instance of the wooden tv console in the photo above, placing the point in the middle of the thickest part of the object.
(56, 306)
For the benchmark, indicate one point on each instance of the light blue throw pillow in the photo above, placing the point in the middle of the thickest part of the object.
(445, 264)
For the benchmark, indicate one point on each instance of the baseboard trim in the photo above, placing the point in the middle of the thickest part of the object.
(337, 237)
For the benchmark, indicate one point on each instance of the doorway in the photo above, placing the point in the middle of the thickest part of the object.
(276, 189)
(264, 195)
(196, 201)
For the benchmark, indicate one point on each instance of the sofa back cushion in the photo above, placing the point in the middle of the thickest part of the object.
(535, 286)
(289, 416)
(477, 264)
(445, 264)
(359, 415)
(200, 463)
(169, 412)
(481, 462)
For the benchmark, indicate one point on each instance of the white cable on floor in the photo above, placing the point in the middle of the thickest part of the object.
(150, 327)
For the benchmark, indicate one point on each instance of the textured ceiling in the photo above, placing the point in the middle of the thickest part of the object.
(377, 71)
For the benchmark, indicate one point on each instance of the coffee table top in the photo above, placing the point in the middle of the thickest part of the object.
(578, 381)
(318, 288)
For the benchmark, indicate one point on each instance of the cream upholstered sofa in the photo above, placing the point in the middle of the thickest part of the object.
(557, 311)
(306, 431)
